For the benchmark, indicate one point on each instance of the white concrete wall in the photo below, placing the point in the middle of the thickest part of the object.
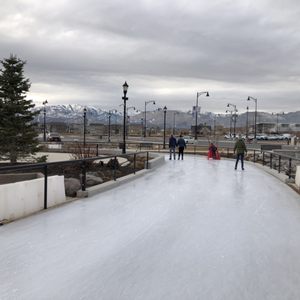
(23, 198)
(297, 178)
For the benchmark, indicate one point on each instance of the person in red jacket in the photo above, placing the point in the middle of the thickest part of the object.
(212, 151)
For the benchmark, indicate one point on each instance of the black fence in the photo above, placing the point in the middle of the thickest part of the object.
(260, 154)
(106, 167)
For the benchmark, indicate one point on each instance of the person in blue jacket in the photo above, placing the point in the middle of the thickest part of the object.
(172, 146)
(181, 146)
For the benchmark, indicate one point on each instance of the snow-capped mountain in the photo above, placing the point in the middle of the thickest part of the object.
(73, 113)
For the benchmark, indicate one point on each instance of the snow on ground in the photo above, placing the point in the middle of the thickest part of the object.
(192, 229)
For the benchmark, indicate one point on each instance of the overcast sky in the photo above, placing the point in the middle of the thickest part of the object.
(82, 51)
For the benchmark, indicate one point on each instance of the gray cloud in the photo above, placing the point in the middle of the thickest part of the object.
(83, 51)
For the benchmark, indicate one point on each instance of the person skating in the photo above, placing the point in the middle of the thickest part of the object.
(240, 149)
(172, 146)
(212, 151)
(181, 146)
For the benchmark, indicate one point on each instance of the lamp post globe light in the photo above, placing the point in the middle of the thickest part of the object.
(255, 114)
(125, 88)
(44, 110)
(234, 117)
(165, 115)
(145, 115)
(196, 111)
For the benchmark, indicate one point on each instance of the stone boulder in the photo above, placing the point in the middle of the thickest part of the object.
(91, 180)
(72, 185)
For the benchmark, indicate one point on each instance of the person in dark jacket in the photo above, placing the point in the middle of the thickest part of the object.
(172, 146)
(240, 149)
(181, 146)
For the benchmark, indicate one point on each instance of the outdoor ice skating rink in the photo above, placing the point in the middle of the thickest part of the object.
(191, 229)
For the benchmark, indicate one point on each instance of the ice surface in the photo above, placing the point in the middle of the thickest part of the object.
(192, 229)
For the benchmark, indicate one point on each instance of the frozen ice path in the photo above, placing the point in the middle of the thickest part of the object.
(192, 229)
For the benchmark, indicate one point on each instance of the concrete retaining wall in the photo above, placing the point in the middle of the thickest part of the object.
(297, 178)
(21, 199)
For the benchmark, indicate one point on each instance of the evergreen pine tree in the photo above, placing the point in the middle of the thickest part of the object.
(18, 138)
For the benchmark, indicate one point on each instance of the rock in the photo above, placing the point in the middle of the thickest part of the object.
(93, 180)
(72, 185)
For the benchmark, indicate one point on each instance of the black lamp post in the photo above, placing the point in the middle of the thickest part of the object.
(234, 116)
(174, 123)
(128, 118)
(230, 123)
(142, 127)
(215, 124)
(247, 123)
(125, 88)
(196, 108)
(277, 121)
(255, 114)
(145, 117)
(84, 129)
(110, 112)
(165, 115)
(44, 103)
(109, 117)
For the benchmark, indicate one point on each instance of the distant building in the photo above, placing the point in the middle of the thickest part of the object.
(276, 128)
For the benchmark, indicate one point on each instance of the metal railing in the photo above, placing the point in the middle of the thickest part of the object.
(79, 168)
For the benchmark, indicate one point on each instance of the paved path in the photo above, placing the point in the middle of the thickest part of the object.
(192, 229)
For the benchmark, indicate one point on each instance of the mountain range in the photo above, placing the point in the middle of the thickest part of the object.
(73, 113)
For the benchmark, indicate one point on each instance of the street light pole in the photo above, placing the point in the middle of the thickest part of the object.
(174, 124)
(142, 126)
(196, 109)
(247, 123)
(44, 103)
(165, 113)
(145, 117)
(109, 117)
(127, 119)
(215, 123)
(255, 114)
(230, 123)
(234, 116)
(84, 129)
(125, 88)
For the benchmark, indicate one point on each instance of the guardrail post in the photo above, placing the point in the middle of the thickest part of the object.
(115, 169)
(290, 168)
(134, 162)
(227, 152)
(83, 179)
(45, 187)
(97, 150)
(271, 160)
(254, 159)
(263, 162)
(279, 163)
(147, 159)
